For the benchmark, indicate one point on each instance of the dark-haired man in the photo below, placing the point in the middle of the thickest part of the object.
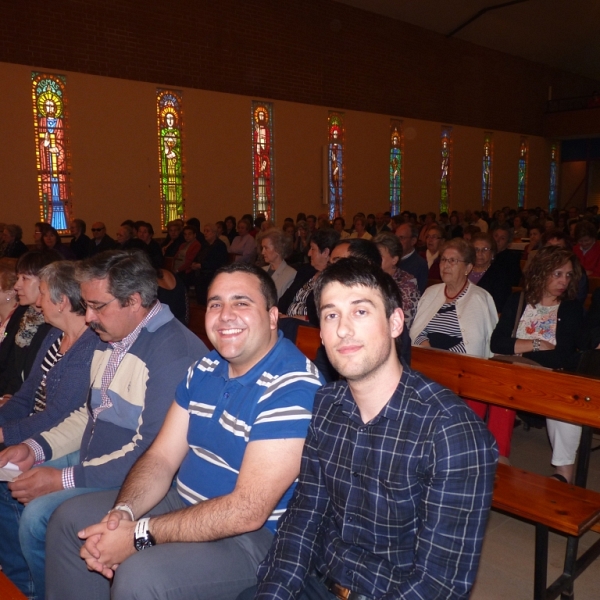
(233, 436)
(397, 472)
(80, 244)
(133, 380)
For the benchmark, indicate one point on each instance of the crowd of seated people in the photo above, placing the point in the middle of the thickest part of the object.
(454, 274)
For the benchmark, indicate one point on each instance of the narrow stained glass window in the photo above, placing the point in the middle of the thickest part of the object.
(51, 149)
(336, 164)
(522, 183)
(486, 172)
(553, 195)
(446, 168)
(396, 165)
(262, 159)
(170, 128)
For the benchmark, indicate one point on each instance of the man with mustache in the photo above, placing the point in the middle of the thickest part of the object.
(133, 380)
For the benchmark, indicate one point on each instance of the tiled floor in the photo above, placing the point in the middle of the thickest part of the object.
(506, 568)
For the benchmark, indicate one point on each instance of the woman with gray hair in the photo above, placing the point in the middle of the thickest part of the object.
(274, 246)
(59, 380)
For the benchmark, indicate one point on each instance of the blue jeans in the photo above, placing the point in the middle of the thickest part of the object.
(23, 532)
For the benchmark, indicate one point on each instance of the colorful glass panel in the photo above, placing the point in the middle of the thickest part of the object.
(51, 149)
(522, 181)
(262, 159)
(486, 172)
(396, 165)
(336, 164)
(553, 195)
(170, 153)
(446, 166)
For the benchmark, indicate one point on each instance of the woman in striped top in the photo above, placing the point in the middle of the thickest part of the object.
(59, 379)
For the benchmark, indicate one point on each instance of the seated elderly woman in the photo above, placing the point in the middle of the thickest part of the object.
(488, 274)
(58, 382)
(455, 315)
(275, 246)
(542, 324)
(390, 248)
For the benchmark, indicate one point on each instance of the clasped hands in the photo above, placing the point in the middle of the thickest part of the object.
(108, 543)
(32, 483)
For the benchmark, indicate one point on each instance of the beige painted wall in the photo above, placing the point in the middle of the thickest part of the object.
(112, 129)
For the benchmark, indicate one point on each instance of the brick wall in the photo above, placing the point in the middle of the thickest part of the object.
(310, 51)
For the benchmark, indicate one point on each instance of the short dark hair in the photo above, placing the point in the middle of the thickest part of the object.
(127, 272)
(351, 272)
(267, 285)
(31, 263)
(325, 239)
(585, 229)
(80, 224)
(363, 249)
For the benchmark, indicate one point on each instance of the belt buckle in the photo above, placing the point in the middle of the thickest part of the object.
(339, 591)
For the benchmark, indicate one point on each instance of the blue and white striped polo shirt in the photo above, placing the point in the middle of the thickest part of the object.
(272, 401)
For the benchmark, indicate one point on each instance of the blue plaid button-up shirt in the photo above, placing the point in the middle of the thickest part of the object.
(394, 508)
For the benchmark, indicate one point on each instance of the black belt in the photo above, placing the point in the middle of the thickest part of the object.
(341, 592)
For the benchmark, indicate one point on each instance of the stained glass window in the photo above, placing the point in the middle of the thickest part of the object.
(170, 128)
(553, 195)
(396, 165)
(336, 164)
(51, 149)
(262, 159)
(486, 172)
(522, 183)
(446, 168)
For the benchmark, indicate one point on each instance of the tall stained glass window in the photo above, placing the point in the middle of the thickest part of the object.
(522, 182)
(446, 168)
(486, 172)
(396, 165)
(262, 159)
(554, 162)
(336, 164)
(170, 156)
(51, 149)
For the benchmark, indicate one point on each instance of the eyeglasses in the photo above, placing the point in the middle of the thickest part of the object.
(96, 229)
(451, 261)
(481, 250)
(97, 308)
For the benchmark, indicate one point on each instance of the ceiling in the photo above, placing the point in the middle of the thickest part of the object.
(564, 34)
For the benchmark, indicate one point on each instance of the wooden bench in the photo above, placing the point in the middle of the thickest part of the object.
(543, 501)
(8, 590)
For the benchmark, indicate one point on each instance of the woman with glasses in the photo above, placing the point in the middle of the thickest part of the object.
(488, 274)
(455, 315)
(542, 324)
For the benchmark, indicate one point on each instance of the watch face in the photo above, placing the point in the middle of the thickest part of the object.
(142, 543)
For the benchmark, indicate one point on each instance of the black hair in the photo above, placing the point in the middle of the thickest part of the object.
(351, 272)
(267, 285)
(363, 249)
(325, 239)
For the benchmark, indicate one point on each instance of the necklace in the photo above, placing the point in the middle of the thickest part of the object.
(466, 283)
(65, 346)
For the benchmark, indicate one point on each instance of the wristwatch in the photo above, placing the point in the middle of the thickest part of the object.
(142, 538)
(536, 345)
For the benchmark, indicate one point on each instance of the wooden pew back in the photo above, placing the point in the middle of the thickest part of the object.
(557, 395)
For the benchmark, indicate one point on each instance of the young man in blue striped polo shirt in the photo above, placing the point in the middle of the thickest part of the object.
(233, 437)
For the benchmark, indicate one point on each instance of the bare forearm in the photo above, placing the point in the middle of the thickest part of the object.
(213, 519)
(146, 484)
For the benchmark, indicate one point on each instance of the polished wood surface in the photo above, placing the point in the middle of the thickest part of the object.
(566, 508)
(8, 590)
(554, 394)
(308, 341)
